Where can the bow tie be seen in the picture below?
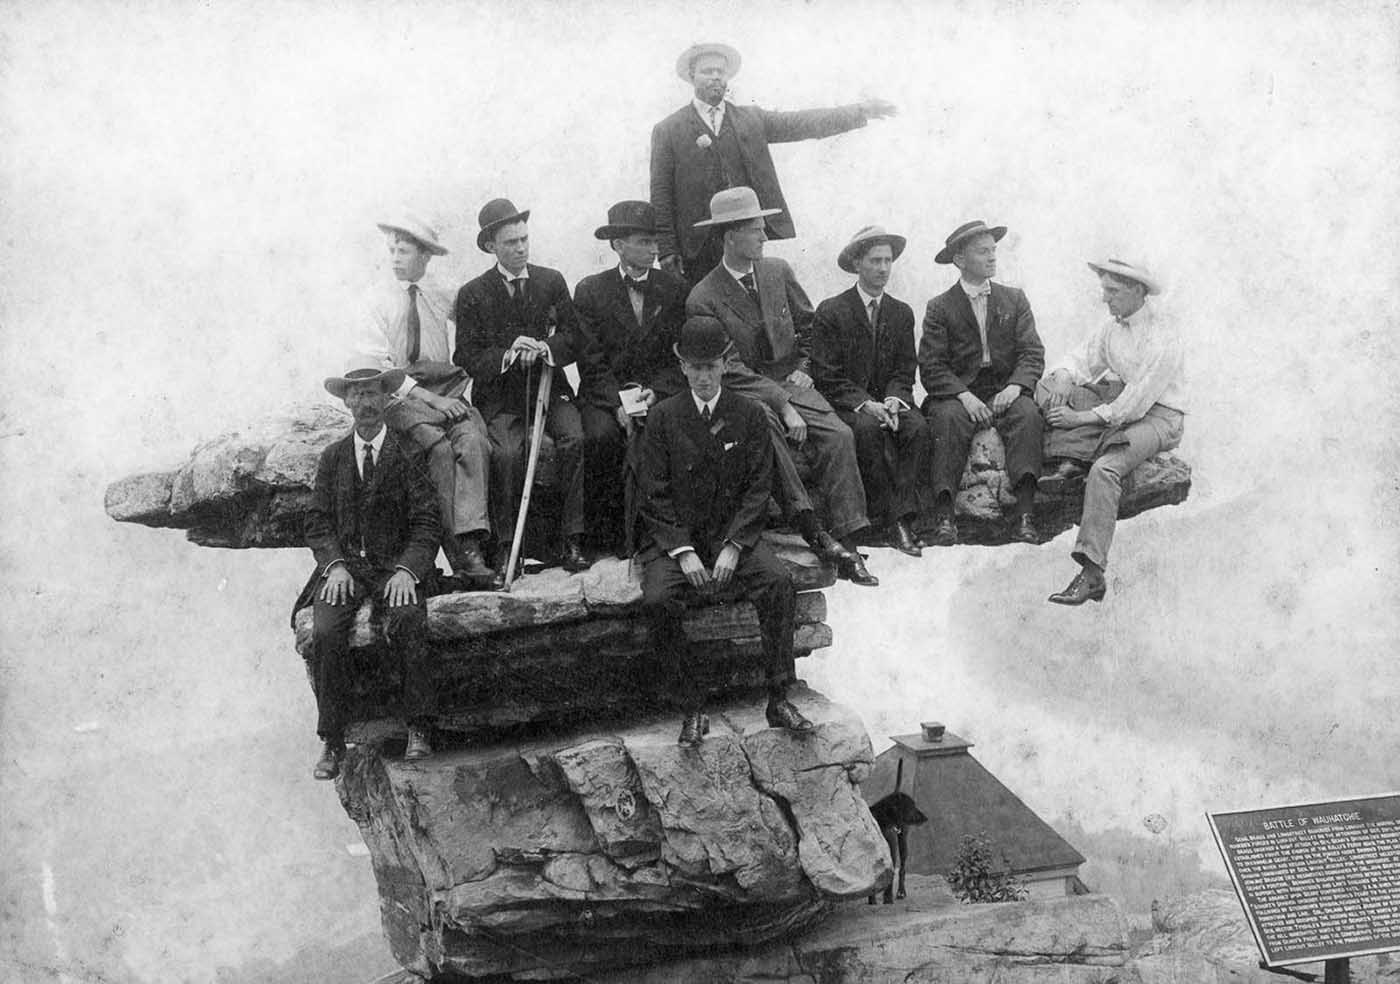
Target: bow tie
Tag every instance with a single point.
(640, 286)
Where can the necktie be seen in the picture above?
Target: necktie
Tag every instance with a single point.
(751, 288)
(517, 287)
(639, 286)
(415, 327)
(874, 313)
(367, 472)
(705, 413)
(714, 120)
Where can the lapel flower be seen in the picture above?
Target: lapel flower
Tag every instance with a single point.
(703, 141)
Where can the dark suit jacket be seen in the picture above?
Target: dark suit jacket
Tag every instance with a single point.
(950, 351)
(401, 524)
(488, 321)
(617, 350)
(685, 175)
(702, 485)
(770, 343)
(853, 361)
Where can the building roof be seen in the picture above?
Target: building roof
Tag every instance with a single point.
(961, 797)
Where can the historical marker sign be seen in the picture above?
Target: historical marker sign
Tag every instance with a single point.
(1317, 880)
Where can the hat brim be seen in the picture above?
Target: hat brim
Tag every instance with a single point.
(945, 255)
(846, 261)
(730, 220)
(702, 357)
(430, 246)
(1153, 285)
(621, 231)
(389, 381)
(688, 56)
(487, 231)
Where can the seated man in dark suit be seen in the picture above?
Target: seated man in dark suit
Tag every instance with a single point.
(373, 526)
(629, 317)
(863, 363)
(508, 318)
(769, 318)
(979, 360)
(706, 475)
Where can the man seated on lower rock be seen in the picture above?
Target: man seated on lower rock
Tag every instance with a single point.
(1108, 428)
(374, 527)
(706, 475)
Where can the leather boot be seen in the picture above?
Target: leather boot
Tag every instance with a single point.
(902, 539)
(328, 765)
(573, 560)
(1088, 585)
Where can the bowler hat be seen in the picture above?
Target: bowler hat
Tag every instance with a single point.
(389, 380)
(494, 214)
(686, 61)
(869, 236)
(963, 232)
(703, 338)
(735, 205)
(625, 218)
(416, 229)
(1133, 271)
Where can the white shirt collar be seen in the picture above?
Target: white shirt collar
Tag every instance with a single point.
(377, 443)
(700, 405)
(738, 274)
(703, 108)
(867, 298)
(525, 272)
(970, 289)
(1140, 317)
(622, 272)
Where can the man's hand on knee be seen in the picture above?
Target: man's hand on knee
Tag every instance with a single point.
(694, 570)
(725, 564)
(339, 586)
(980, 413)
(401, 589)
(1057, 386)
(1003, 400)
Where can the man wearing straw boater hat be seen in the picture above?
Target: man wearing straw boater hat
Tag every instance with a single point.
(706, 475)
(980, 359)
(630, 315)
(864, 364)
(710, 144)
(1110, 426)
(373, 526)
(408, 325)
(515, 322)
(768, 317)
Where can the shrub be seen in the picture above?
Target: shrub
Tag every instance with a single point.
(977, 877)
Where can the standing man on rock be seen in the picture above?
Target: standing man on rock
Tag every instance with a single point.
(711, 144)
(409, 326)
(512, 316)
(629, 315)
(1115, 425)
(706, 476)
(373, 525)
(980, 359)
(769, 319)
(864, 364)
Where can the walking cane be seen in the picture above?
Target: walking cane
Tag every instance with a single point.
(536, 436)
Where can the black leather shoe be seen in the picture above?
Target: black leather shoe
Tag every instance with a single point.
(418, 745)
(1025, 530)
(574, 560)
(902, 539)
(1084, 587)
(328, 765)
(1068, 477)
(467, 561)
(945, 533)
(782, 714)
(694, 729)
(829, 548)
(853, 570)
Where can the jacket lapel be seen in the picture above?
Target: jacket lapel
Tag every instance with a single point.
(773, 297)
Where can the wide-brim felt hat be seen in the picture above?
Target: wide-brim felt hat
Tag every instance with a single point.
(494, 214)
(872, 235)
(416, 229)
(687, 59)
(703, 338)
(735, 205)
(1133, 271)
(389, 380)
(628, 217)
(963, 232)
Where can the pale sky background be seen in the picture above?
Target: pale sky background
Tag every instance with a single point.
(189, 196)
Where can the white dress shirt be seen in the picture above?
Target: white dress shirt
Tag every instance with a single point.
(705, 110)
(377, 443)
(511, 277)
(384, 342)
(977, 296)
(1145, 352)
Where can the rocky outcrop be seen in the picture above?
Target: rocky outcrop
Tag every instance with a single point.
(248, 488)
(596, 849)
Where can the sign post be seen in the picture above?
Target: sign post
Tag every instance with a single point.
(1318, 881)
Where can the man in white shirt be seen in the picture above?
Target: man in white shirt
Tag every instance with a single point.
(409, 326)
(1114, 424)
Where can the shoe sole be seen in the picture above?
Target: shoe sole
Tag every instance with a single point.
(1056, 600)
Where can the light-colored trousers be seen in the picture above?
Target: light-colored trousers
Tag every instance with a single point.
(459, 460)
(1115, 452)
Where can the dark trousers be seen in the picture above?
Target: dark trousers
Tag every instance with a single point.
(893, 464)
(405, 630)
(604, 455)
(510, 457)
(759, 578)
(1021, 428)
